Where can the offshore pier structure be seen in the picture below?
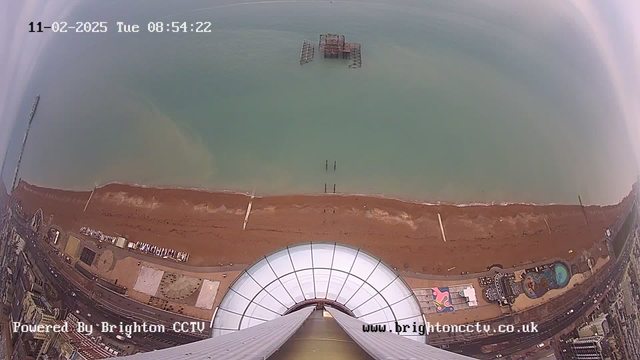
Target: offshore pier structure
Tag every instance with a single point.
(333, 46)
(307, 52)
(24, 141)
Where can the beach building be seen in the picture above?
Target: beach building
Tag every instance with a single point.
(121, 242)
(18, 242)
(588, 348)
(470, 294)
(37, 311)
(75, 345)
(36, 221)
(597, 326)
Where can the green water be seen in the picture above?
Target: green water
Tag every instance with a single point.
(455, 101)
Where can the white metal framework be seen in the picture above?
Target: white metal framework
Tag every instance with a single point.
(257, 343)
(387, 346)
(345, 277)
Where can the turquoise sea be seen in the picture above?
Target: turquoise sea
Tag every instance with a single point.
(456, 101)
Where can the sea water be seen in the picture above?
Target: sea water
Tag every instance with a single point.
(456, 101)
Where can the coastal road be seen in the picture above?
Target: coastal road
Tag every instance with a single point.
(611, 278)
(101, 303)
(115, 306)
(75, 299)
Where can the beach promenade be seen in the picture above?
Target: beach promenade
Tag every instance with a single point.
(428, 245)
(407, 236)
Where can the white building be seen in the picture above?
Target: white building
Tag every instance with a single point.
(598, 326)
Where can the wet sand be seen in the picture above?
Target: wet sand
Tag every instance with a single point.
(405, 235)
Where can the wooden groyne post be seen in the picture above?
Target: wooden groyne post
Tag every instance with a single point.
(444, 238)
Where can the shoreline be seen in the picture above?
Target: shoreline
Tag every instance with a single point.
(406, 235)
(249, 194)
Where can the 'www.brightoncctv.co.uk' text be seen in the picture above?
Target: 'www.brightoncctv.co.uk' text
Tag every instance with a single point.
(428, 328)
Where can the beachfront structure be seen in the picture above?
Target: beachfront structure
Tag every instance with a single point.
(469, 293)
(314, 297)
(444, 299)
(307, 52)
(332, 274)
(343, 338)
(121, 242)
(36, 220)
(598, 326)
(588, 348)
(333, 46)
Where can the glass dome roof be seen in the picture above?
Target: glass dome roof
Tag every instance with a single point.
(349, 278)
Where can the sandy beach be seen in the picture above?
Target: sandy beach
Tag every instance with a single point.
(405, 235)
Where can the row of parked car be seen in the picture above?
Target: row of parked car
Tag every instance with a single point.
(97, 234)
(121, 242)
(118, 241)
(164, 253)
